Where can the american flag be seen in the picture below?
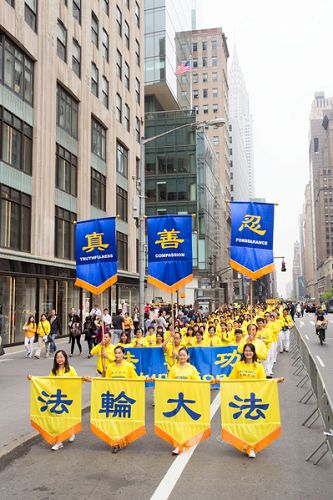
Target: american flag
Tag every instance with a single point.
(184, 67)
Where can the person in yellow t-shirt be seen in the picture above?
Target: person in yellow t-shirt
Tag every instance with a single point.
(189, 337)
(199, 340)
(265, 334)
(150, 337)
(261, 349)
(124, 340)
(43, 331)
(139, 340)
(171, 347)
(213, 340)
(61, 368)
(30, 328)
(105, 353)
(284, 335)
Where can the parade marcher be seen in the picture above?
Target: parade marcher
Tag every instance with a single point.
(151, 337)
(89, 331)
(30, 329)
(284, 335)
(105, 353)
(43, 331)
(118, 326)
(261, 349)
(55, 323)
(139, 340)
(124, 340)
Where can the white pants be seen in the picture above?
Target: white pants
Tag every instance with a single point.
(42, 344)
(274, 351)
(268, 363)
(29, 344)
(284, 340)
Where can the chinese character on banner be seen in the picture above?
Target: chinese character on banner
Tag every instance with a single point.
(95, 240)
(251, 404)
(182, 403)
(57, 402)
(226, 359)
(120, 406)
(252, 222)
(169, 239)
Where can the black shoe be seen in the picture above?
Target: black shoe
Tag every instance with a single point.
(269, 376)
(115, 449)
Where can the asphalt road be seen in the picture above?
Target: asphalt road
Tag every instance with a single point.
(86, 469)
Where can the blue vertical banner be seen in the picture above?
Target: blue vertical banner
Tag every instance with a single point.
(170, 251)
(252, 232)
(96, 254)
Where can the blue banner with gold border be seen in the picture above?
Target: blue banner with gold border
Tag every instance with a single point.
(214, 362)
(148, 362)
(252, 232)
(170, 251)
(96, 254)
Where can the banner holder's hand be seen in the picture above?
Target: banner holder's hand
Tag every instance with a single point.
(29, 377)
(280, 380)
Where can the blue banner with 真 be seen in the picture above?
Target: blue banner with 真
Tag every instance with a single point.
(96, 254)
(170, 251)
(252, 232)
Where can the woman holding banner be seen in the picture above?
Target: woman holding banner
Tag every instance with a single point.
(183, 370)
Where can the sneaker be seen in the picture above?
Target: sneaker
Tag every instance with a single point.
(36, 357)
(71, 439)
(27, 355)
(57, 447)
(115, 449)
(251, 454)
(47, 355)
(269, 376)
(70, 355)
(175, 451)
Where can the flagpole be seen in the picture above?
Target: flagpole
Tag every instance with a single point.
(103, 348)
(251, 300)
(172, 313)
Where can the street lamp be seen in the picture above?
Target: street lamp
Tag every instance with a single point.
(216, 123)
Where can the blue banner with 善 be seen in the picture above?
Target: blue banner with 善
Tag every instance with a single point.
(96, 254)
(252, 232)
(170, 251)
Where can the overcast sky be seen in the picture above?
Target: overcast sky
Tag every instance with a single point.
(285, 50)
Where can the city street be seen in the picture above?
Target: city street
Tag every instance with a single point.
(87, 468)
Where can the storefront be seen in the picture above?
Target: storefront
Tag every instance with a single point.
(29, 288)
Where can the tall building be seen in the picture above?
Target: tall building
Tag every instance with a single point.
(71, 117)
(309, 269)
(296, 271)
(241, 122)
(321, 176)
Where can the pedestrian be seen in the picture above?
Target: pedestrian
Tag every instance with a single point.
(128, 326)
(107, 319)
(161, 321)
(96, 311)
(105, 353)
(118, 325)
(72, 317)
(43, 331)
(89, 331)
(136, 318)
(75, 332)
(30, 329)
(55, 323)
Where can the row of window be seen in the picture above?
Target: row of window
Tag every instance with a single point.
(204, 62)
(204, 93)
(205, 109)
(175, 189)
(204, 46)
(205, 77)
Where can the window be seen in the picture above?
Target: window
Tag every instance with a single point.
(119, 64)
(196, 109)
(94, 29)
(15, 216)
(106, 7)
(204, 92)
(122, 160)
(216, 140)
(119, 108)
(122, 250)
(137, 90)
(127, 3)
(66, 171)
(105, 92)
(316, 145)
(11, 2)
(137, 14)
(127, 117)
(214, 44)
(98, 139)
(98, 190)
(122, 204)
(67, 112)
(61, 41)
(195, 94)
(119, 21)
(195, 63)
(77, 10)
(127, 76)
(137, 52)
(15, 65)
(214, 76)
(204, 45)
(76, 58)
(205, 77)
(94, 79)
(16, 142)
(105, 45)
(214, 92)
(215, 108)
(205, 109)
(30, 13)
(214, 61)
(138, 130)
(194, 47)
(204, 62)
(195, 78)
(127, 34)
(64, 238)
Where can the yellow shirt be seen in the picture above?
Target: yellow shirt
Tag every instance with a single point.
(186, 372)
(30, 329)
(142, 342)
(213, 341)
(189, 341)
(109, 350)
(261, 349)
(228, 338)
(150, 340)
(169, 353)
(247, 371)
(203, 343)
(44, 328)
(61, 373)
(266, 336)
(124, 370)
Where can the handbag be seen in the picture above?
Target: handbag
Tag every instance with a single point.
(75, 330)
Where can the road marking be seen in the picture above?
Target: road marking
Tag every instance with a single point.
(307, 338)
(170, 479)
(311, 321)
(5, 360)
(302, 323)
(320, 361)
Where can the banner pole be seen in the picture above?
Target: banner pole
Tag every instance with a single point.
(251, 300)
(172, 313)
(103, 350)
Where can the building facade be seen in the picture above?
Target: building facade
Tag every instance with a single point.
(71, 96)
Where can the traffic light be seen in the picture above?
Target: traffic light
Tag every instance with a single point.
(283, 267)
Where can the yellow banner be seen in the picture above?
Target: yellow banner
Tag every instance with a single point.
(250, 413)
(182, 411)
(117, 414)
(55, 407)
